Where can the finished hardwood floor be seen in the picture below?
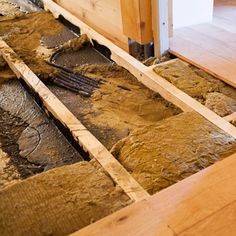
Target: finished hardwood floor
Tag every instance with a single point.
(211, 46)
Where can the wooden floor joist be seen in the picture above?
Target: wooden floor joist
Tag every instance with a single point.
(79, 132)
(144, 74)
(230, 117)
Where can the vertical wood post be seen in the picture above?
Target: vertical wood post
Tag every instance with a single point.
(137, 20)
(160, 24)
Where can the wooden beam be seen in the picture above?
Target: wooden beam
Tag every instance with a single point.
(137, 20)
(89, 143)
(144, 74)
(185, 205)
(160, 25)
(230, 117)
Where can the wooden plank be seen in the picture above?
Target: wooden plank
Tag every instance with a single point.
(178, 207)
(211, 63)
(224, 24)
(144, 74)
(216, 32)
(89, 143)
(137, 20)
(160, 25)
(104, 16)
(230, 117)
(225, 10)
(218, 224)
(209, 47)
(208, 43)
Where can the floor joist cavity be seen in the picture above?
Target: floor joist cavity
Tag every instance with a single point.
(170, 212)
(144, 74)
(89, 143)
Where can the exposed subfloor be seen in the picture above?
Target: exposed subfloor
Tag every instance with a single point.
(154, 140)
(142, 109)
(112, 111)
(58, 201)
(120, 107)
(31, 141)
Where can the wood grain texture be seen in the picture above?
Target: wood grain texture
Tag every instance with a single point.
(220, 223)
(137, 20)
(203, 204)
(224, 15)
(212, 46)
(89, 143)
(104, 16)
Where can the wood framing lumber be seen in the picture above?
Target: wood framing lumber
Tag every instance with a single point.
(89, 143)
(230, 117)
(179, 209)
(137, 20)
(160, 26)
(104, 16)
(144, 74)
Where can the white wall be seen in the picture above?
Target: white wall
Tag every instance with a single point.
(191, 12)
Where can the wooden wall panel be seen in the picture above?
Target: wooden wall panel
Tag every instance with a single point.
(104, 16)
